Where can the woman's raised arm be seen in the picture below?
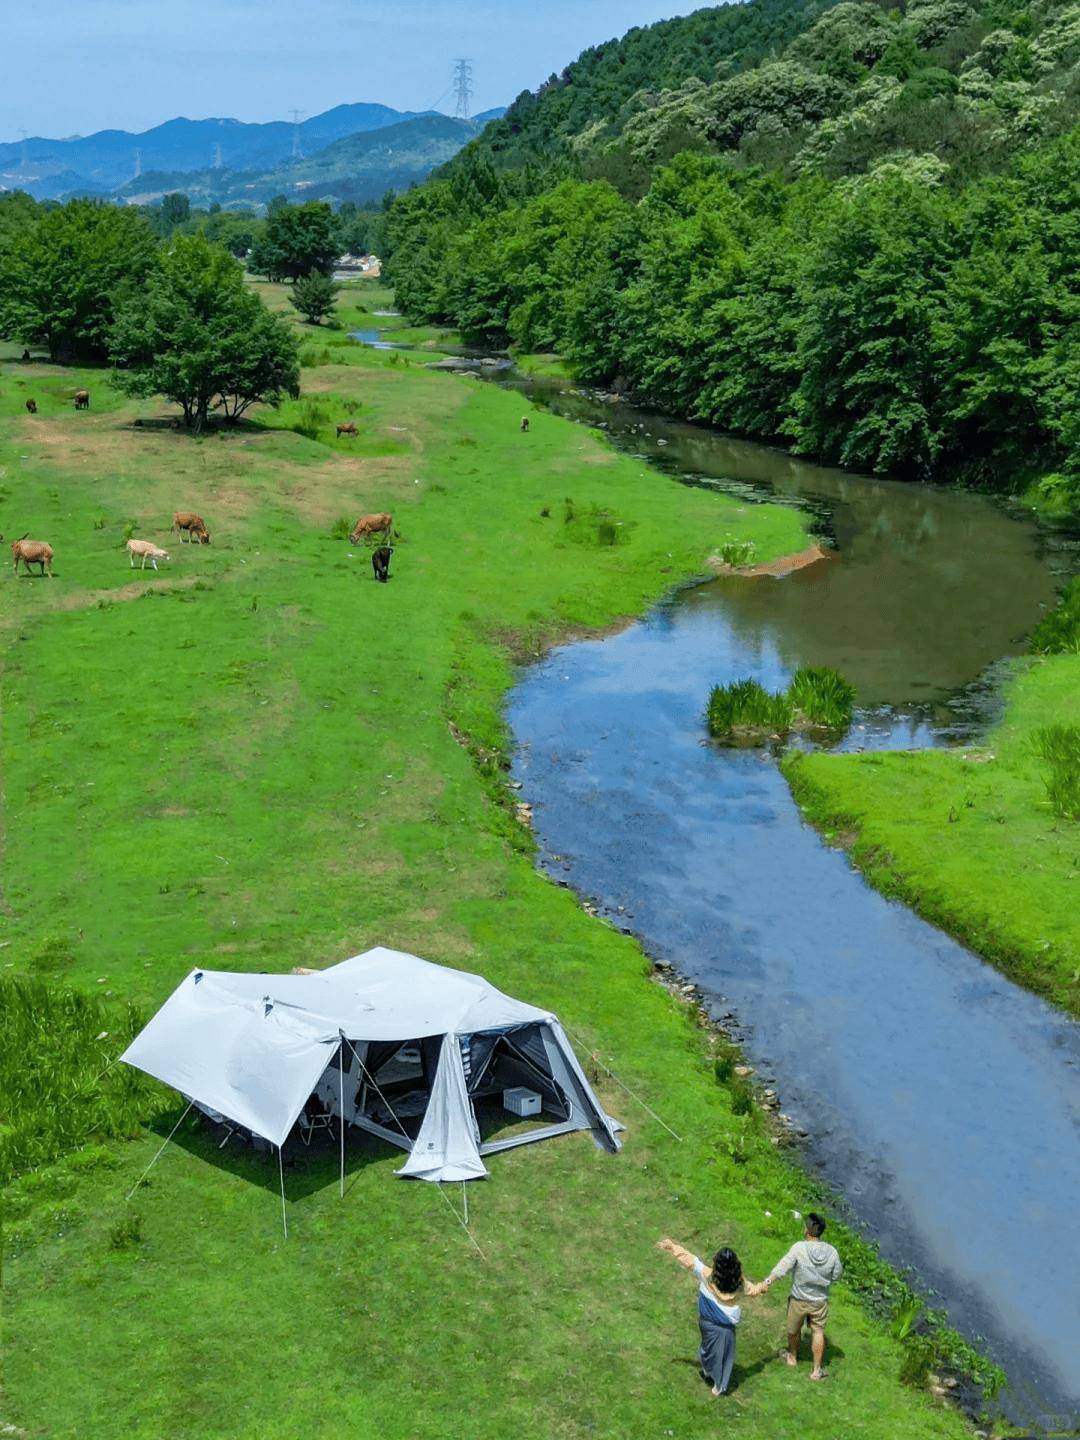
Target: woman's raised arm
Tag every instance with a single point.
(681, 1254)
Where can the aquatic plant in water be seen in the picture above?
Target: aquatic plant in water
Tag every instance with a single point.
(822, 696)
(744, 712)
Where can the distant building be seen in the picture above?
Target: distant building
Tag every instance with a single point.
(349, 267)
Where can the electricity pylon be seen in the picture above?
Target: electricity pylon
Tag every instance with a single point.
(462, 89)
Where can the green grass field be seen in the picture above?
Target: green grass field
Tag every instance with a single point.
(259, 758)
(968, 838)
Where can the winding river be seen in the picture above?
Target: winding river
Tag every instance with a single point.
(940, 1100)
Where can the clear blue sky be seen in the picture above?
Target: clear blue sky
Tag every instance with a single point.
(75, 66)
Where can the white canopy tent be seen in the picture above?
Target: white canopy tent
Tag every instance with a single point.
(392, 1044)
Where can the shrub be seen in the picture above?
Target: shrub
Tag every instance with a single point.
(1059, 632)
(1059, 746)
(744, 710)
(822, 696)
(341, 529)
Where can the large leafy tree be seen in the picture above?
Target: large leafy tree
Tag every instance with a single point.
(297, 240)
(197, 335)
(60, 276)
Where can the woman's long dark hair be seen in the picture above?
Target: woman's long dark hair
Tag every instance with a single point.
(726, 1271)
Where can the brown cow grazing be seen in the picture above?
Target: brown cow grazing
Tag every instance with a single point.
(32, 552)
(348, 428)
(524, 423)
(186, 522)
(31, 407)
(82, 399)
(381, 524)
(380, 562)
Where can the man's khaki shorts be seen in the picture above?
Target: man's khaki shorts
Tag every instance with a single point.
(799, 1311)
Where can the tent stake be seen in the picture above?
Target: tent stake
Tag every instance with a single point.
(281, 1177)
(153, 1162)
(465, 1200)
(341, 1078)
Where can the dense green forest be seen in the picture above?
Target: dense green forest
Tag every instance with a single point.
(852, 228)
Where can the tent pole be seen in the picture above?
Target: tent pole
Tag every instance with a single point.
(465, 1200)
(281, 1177)
(341, 1078)
(153, 1162)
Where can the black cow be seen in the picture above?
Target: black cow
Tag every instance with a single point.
(380, 562)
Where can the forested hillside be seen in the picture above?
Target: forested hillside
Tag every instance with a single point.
(849, 227)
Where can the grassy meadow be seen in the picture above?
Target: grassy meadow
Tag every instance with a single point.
(258, 758)
(970, 838)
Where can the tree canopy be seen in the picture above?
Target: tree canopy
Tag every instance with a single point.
(197, 335)
(61, 269)
(296, 240)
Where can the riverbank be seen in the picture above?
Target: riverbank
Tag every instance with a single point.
(282, 763)
(967, 838)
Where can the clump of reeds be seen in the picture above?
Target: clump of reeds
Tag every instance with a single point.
(1059, 747)
(745, 713)
(822, 697)
(738, 553)
(1059, 632)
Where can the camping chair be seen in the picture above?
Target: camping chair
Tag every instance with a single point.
(321, 1119)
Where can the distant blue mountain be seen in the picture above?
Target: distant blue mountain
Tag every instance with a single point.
(228, 159)
(103, 162)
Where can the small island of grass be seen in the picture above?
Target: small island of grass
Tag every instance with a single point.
(745, 713)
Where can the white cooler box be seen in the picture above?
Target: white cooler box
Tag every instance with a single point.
(521, 1101)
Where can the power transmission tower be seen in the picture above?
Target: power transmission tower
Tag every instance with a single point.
(462, 88)
(138, 164)
(297, 116)
(215, 163)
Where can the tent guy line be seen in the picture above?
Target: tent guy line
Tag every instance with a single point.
(463, 1223)
(593, 1055)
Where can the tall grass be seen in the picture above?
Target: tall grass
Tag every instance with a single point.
(1059, 632)
(822, 696)
(1059, 746)
(745, 711)
(738, 553)
(59, 1079)
(311, 420)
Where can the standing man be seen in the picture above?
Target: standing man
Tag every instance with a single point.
(816, 1265)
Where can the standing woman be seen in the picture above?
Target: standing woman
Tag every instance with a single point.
(718, 1313)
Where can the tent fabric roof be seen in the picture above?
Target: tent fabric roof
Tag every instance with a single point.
(253, 1046)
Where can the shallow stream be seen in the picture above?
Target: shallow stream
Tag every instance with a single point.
(940, 1100)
